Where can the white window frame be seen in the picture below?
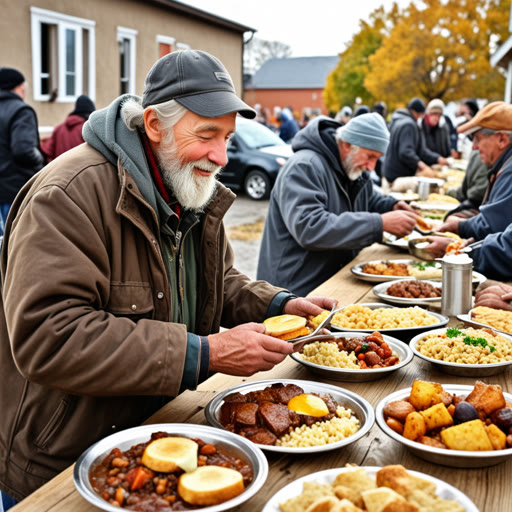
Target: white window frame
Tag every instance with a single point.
(166, 40)
(182, 46)
(63, 22)
(131, 35)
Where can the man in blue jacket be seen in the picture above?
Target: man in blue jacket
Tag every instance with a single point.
(20, 157)
(323, 208)
(407, 153)
(492, 136)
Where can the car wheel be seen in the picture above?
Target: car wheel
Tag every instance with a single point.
(257, 185)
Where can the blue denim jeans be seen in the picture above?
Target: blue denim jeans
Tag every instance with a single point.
(6, 502)
(4, 210)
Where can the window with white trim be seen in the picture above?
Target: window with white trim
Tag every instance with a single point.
(63, 56)
(165, 44)
(127, 39)
(182, 46)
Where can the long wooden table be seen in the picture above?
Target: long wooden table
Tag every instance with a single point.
(489, 488)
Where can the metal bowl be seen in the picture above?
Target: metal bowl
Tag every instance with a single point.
(398, 347)
(403, 333)
(460, 369)
(359, 406)
(381, 291)
(443, 456)
(417, 248)
(470, 322)
(236, 445)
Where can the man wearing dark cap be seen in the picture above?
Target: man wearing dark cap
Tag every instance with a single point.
(407, 153)
(68, 134)
(323, 208)
(20, 157)
(117, 275)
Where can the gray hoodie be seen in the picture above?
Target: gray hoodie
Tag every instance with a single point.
(318, 219)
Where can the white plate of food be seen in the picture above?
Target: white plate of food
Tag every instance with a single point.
(409, 291)
(379, 271)
(401, 323)
(497, 319)
(435, 452)
(442, 490)
(340, 351)
(464, 352)
(271, 434)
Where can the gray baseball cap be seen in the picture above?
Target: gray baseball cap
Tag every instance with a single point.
(196, 80)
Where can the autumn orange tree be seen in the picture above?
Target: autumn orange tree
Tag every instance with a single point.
(436, 49)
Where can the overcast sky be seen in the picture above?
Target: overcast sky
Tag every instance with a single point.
(310, 28)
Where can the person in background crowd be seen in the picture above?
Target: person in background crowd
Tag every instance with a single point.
(362, 109)
(435, 129)
(492, 136)
(20, 157)
(68, 134)
(471, 192)
(117, 274)
(407, 154)
(382, 109)
(288, 127)
(495, 295)
(344, 115)
(466, 111)
(323, 208)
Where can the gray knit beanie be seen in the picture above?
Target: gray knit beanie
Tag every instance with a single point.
(368, 131)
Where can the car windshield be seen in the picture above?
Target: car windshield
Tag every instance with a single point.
(256, 136)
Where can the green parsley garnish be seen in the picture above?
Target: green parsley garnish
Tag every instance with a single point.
(478, 341)
(452, 333)
(365, 347)
(422, 265)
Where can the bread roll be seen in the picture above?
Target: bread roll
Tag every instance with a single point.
(170, 454)
(210, 485)
(282, 324)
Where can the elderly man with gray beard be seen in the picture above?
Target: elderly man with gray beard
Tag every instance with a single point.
(117, 275)
(323, 208)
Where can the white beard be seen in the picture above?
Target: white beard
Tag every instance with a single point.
(351, 170)
(192, 191)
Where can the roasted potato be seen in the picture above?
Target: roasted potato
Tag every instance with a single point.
(425, 394)
(486, 398)
(497, 437)
(467, 436)
(415, 426)
(437, 416)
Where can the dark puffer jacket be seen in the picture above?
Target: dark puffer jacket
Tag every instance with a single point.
(20, 157)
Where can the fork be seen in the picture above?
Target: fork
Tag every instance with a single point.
(315, 335)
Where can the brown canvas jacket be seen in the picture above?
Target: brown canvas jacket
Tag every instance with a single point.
(86, 345)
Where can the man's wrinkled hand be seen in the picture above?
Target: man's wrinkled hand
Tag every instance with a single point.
(245, 350)
(497, 297)
(399, 222)
(312, 306)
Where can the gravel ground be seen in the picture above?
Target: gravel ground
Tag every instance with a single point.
(244, 221)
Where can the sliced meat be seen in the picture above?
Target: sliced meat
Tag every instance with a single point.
(286, 393)
(235, 397)
(276, 417)
(262, 436)
(247, 414)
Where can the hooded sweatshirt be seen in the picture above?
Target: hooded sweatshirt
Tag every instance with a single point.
(64, 137)
(318, 219)
(406, 147)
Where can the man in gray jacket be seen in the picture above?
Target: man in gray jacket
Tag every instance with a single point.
(323, 208)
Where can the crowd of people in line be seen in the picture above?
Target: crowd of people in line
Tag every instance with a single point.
(116, 269)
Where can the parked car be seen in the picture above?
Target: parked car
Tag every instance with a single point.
(255, 155)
